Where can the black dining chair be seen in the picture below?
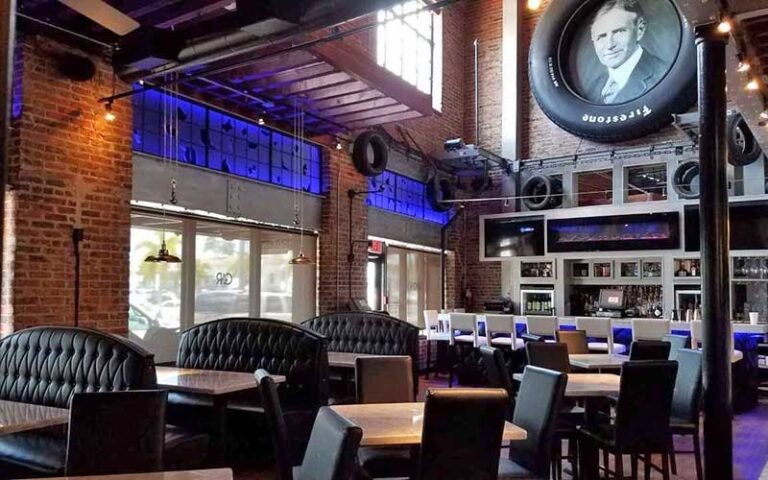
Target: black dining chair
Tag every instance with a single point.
(576, 340)
(278, 430)
(385, 379)
(116, 432)
(497, 374)
(642, 423)
(332, 450)
(537, 410)
(686, 404)
(649, 350)
(676, 342)
(553, 356)
(462, 433)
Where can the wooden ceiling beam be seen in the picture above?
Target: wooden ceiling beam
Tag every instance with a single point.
(359, 106)
(306, 87)
(343, 100)
(395, 117)
(372, 114)
(337, 90)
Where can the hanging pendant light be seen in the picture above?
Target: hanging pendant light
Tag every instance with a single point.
(298, 170)
(301, 259)
(163, 255)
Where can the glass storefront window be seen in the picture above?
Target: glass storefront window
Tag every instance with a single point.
(276, 275)
(222, 271)
(154, 315)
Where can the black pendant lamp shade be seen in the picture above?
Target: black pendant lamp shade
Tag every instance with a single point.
(163, 256)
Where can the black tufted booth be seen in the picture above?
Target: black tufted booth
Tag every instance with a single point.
(46, 366)
(246, 345)
(367, 332)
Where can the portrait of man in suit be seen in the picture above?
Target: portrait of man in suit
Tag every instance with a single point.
(628, 70)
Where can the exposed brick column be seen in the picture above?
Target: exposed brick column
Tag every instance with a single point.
(69, 167)
(339, 176)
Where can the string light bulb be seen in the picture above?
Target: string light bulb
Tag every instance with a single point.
(109, 115)
(534, 4)
(764, 114)
(339, 146)
(724, 26)
(752, 85)
(261, 120)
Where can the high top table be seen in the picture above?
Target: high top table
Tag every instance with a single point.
(211, 474)
(399, 424)
(218, 384)
(19, 417)
(598, 361)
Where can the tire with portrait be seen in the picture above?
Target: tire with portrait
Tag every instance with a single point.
(372, 161)
(685, 180)
(549, 77)
(743, 148)
(542, 192)
(438, 190)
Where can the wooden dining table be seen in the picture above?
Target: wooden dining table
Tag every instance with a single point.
(399, 424)
(20, 417)
(207, 474)
(346, 359)
(598, 361)
(219, 385)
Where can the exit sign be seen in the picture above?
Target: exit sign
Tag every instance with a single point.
(375, 246)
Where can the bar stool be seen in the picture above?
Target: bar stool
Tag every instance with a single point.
(463, 322)
(597, 327)
(435, 332)
(650, 329)
(697, 336)
(502, 324)
(542, 326)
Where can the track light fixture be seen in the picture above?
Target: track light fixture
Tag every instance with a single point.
(339, 146)
(744, 65)
(109, 115)
(534, 4)
(752, 85)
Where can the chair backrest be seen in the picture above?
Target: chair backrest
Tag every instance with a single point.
(538, 405)
(47, 365)
(497, 373)
(462, 432)
(332, 450)
(650, 328)
(463, 322)
(116, 432)
(649, 350)
(597, 327)
(281, 442)
(384, 379)
(541, 325)
(686, 401)
(575, 340)
(645, 400)
(248, 344)
(676, 343)
(552, 356)
(697, 333)
(501, 324)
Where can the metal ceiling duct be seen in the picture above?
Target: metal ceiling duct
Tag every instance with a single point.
(260, 32)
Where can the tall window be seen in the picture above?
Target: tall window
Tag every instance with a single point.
(411, 45)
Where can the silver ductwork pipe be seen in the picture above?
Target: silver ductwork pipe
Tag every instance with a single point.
(250, 38)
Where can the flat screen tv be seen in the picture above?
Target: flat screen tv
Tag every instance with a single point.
(748, 226)
(611, 299)
(513, 237)
(644, 231)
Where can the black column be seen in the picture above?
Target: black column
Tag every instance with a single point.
(7, 41)
(717, 337)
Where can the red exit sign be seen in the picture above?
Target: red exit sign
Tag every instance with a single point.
(375, 246)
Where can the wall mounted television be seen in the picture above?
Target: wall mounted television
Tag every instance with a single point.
(645, 231)
(507, 237)
(748, 226)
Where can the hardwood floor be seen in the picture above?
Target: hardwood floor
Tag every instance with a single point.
(750, 433)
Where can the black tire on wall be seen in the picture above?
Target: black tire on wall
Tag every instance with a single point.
(542, 192)
(439, 189)
(370, 154)
(550, 81)
(743, 148)
(685, 180)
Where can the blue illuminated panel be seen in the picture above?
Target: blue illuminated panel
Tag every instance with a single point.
(213, 139)
(404, 196)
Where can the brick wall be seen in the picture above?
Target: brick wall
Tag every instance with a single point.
(68, 167)
(339, 175)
